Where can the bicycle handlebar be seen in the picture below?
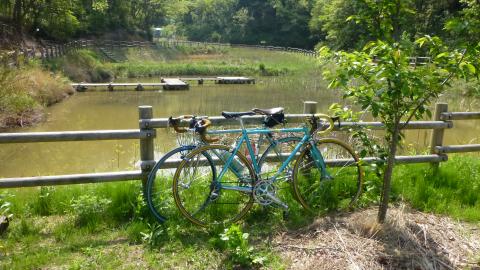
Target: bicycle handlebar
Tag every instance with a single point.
(199, 126)
(174, 122)
(330, 122)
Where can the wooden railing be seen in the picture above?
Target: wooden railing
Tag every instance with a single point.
(52, 50)
(176, 43)
(147, 132)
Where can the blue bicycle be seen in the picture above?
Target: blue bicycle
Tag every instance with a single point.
(326, 174)
(158, 191)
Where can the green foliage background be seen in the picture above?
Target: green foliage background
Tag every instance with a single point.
(294, 23)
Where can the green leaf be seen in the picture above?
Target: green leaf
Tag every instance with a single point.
(471, 68)
(421, 41)
(441, 55)
(352, 17)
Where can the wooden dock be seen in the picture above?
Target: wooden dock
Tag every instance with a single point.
(220, 80)
(234, 80)
(82, 87)
(166, 83)
(174, 84)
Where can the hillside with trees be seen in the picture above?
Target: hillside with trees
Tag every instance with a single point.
(292, 23)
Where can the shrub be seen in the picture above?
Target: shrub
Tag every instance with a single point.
(25, 91)
(88, 209)
(135, 231)
(43, 204)
(154, 235)
(235, 242)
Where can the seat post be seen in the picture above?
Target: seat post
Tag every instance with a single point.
(241, 122)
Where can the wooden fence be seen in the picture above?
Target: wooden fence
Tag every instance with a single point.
(53, 50)
(147, 131)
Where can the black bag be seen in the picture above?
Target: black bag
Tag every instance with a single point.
(274, 119)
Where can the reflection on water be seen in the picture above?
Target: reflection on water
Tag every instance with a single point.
(118, 110)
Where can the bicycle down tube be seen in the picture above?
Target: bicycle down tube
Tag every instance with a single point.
(245, 139)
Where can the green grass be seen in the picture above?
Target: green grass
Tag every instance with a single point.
(231, 61)
(89, 65)
(81, 66)
(454, 190)
(75, 227)
(108, 225)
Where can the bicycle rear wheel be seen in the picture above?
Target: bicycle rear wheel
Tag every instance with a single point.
(327, 176)
(205, 196)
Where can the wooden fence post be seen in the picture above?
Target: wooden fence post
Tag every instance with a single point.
(147, 159)
(437, 134)
(309, 107)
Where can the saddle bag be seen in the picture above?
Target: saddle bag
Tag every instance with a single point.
(274, 119)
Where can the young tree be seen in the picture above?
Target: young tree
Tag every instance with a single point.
(381, 78)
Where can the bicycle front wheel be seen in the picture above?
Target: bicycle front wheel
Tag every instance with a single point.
(209, 197)
(159, 185)
(327, 176)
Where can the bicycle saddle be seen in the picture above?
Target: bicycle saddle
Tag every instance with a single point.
(229, 115)
(271, 111)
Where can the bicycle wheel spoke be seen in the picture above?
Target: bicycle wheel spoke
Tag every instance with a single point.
(204, 201)
(158, 192)
(333, 184)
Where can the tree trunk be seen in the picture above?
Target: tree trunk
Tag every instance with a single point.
(17, 15)
(387, 176)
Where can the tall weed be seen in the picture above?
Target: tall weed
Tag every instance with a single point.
(89, 210)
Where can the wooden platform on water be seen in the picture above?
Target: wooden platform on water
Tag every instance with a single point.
(166, 83)
(234, 80)
(175, 84)
(220, 80)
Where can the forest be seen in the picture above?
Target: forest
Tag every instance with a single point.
(295, 23)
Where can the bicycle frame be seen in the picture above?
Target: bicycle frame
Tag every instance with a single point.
(317, 156)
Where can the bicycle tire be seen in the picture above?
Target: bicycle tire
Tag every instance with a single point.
(158, 189)
(340, 189)
(207, 204)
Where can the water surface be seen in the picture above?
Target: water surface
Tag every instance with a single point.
(95, 110)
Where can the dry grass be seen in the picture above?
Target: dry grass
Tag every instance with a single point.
(409, 240)
(25, 92)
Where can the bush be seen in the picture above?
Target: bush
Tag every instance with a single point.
(88, 209)
(25, 91)
(235, 242)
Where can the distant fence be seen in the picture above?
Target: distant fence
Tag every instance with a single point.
(147, 132)
(52, 50)
(174, 43)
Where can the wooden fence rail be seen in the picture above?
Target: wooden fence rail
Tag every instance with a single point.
(53, 50)
(64, 136)
(148, 125)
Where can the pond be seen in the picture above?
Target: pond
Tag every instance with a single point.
(93, 110)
